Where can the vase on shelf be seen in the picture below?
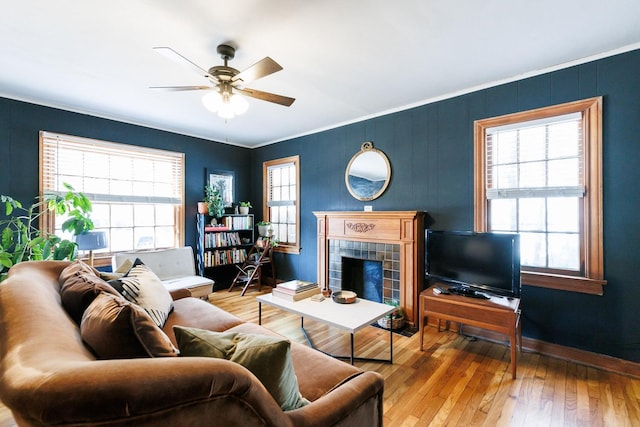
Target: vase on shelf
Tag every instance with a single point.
(203, 208)
(263, 230)
(244, 210)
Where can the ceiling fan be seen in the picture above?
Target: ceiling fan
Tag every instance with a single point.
(227, 82)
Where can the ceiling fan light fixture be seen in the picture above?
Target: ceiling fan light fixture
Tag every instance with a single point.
(221, 97)
(226, 111)
(226, 105)
(212, 101)
(239, 104)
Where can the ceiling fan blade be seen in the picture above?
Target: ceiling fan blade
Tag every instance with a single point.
(180, 88)
(176, 57)
(266, 96)
(260, 69)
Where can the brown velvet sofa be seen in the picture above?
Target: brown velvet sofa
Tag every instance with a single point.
(49, 377)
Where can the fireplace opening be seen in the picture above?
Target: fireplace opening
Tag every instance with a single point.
(364, 277)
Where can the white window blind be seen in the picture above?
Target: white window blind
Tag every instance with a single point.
(137, 193)
(281, 185)
(111, 172)
(540, 158)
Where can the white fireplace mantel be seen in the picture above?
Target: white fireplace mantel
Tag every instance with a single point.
(404, 228)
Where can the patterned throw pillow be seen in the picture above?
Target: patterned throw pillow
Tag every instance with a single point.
(267, 357)
(142, 287)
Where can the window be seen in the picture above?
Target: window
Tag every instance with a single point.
(281, 180)
(136, 192)
(538, 173)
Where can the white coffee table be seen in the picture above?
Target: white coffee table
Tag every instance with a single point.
(348, 317)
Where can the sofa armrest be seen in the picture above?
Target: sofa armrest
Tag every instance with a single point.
(194, 391)
(356, 402)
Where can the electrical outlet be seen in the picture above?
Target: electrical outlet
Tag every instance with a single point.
(368, 208)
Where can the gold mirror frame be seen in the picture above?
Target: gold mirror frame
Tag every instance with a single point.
(368, 173)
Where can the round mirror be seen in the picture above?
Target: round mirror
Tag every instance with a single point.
(368, 173)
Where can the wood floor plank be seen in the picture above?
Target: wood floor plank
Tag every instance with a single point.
(582, 401)
(571, 396)
(558, 383)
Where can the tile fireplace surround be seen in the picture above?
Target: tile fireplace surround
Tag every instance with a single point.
(400, 232)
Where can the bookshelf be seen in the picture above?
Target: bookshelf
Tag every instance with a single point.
(220, 247)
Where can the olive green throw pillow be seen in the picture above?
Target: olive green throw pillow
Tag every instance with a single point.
(267, 357)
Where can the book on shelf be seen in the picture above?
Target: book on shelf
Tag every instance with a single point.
(216, 240)
(298, 296)
(295, 286)
(238, 222)
(224, 257)
(216, 228)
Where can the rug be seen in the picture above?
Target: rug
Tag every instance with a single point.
(405, 331)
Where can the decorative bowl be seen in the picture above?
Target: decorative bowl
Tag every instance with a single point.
(344, 297)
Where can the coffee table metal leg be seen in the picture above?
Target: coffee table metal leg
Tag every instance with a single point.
(351, 358)
(390, 342)
(351, 355)
(259, 313)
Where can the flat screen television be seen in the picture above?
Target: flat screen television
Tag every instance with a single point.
(485, 262)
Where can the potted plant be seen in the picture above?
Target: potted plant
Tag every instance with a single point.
(22, 240)
(214, 201)
(244, 207)
(397, 317)
(203, 207)
(263, 228)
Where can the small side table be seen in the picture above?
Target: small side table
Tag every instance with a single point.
(498, 314)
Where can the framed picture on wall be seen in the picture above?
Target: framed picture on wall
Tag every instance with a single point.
(224, 182)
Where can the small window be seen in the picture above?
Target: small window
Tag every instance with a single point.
(281, 201)
(538, 174)
(136, 192)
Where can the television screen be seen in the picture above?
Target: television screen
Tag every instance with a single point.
(482, 261)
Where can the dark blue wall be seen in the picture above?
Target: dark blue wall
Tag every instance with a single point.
(20, 123)
(431, 152)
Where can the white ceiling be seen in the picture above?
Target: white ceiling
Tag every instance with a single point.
(343, 61)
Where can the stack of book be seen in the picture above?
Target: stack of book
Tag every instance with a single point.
(295, 290)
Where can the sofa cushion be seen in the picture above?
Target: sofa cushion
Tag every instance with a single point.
(117, 329)
(267, 357)
(79, 287)
(142, 287)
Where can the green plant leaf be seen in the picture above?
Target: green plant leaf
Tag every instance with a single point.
(7, 238)
(64, 250)
(21, 240)
(5, 259)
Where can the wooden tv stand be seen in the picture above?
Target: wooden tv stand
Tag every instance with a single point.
(498, 314)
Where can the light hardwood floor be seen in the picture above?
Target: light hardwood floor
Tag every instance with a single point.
(458, 381)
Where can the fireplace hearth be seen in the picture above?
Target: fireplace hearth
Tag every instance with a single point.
(364, 277)
(394, 239)
(372, 270)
